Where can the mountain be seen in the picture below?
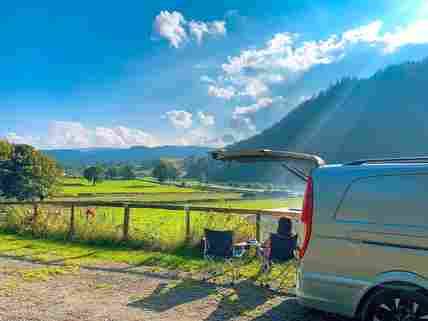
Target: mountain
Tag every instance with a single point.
(385, 115)
(138, 154)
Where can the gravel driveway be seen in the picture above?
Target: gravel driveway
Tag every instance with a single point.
(31, 291)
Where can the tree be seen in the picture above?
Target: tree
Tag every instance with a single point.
(5, 150)
(165, 170)
(112, 172)
(127, 172)
(27, 174)
(197, 168)
(94, 174)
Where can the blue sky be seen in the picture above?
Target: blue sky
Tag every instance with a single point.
(117, 74)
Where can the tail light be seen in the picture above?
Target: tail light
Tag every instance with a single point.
(307, 214)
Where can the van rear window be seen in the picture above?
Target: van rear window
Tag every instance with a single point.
(398, 199)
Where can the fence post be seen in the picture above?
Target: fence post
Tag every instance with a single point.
(258, 230)
(71, 230)
(187, 210)
(126, 215)
(34, 219)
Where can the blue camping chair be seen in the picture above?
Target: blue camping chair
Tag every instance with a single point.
(218, 245)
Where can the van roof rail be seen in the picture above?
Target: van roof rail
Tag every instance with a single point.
(404, 160)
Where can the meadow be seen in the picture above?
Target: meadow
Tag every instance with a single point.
(161, 233)
(76, 186)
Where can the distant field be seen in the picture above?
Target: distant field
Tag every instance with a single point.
(74, 186)
(137, 191)
(259, 203)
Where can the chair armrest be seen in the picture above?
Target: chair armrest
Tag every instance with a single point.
(239, 249)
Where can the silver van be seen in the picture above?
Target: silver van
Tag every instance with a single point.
(363, 249)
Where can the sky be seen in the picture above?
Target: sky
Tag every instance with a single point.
(86, 74)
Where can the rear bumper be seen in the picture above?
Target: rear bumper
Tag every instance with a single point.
(327, 293)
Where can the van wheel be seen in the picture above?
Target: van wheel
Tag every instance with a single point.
(396, 305)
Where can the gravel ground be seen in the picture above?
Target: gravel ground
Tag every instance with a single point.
(38, 292)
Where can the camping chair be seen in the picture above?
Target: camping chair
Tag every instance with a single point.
(218, 245)
(280, 250)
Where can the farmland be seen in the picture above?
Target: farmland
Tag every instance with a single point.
(161, 233)
(75, 186)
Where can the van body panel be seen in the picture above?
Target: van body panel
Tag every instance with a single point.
(370, 226)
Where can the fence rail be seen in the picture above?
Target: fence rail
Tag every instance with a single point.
(292, 214)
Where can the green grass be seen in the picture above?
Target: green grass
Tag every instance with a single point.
(67, 256)
(258, 203)
(75, 186)
(149, 228)
(154, 197)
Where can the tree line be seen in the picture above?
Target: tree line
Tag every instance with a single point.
(163, 171)
(97, 173)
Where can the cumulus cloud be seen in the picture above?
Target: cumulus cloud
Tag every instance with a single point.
(74, 135)
(180, 119)
(368, 33)
(176, 29)
(415, 33)
(243, 127)
(225, 93)
(171, 26)
(199, 29)
(254, 87)
(206, 119)
(217, 27)
(62, 134)
(14, 138)
(282, 53)
(260, 104)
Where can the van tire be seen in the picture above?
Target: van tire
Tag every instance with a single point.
(395, 304)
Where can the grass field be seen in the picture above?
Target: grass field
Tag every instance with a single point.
(145, 190)
(79, 254)
(150, 228)
(75, 186)
(158, 234)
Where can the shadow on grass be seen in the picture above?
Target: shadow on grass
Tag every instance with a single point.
(242, 299)
(168, 296)
(46, 253)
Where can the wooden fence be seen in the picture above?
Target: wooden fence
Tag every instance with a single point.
(292, 214)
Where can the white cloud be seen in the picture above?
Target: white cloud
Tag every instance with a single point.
(281, 55)
(205, 119)
(368, 33)
(260, 104)
(254, 88)
(279, 40)
(414, 33)
(180, 119)
(199, 29)
(243, 126)
(170, 25)
(14, 138)
(62, 134)
(174, 27)
(225, 93)
(217, 27)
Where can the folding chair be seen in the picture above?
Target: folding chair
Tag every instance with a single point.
(218, 245)
(281, 250)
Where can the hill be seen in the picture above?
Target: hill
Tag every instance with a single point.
(385, 115)
(137, 155)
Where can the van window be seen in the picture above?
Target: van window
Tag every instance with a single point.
(399, 199)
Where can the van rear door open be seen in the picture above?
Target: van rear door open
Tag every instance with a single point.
(297, 163)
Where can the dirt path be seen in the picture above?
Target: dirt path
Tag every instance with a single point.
(33, 292)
